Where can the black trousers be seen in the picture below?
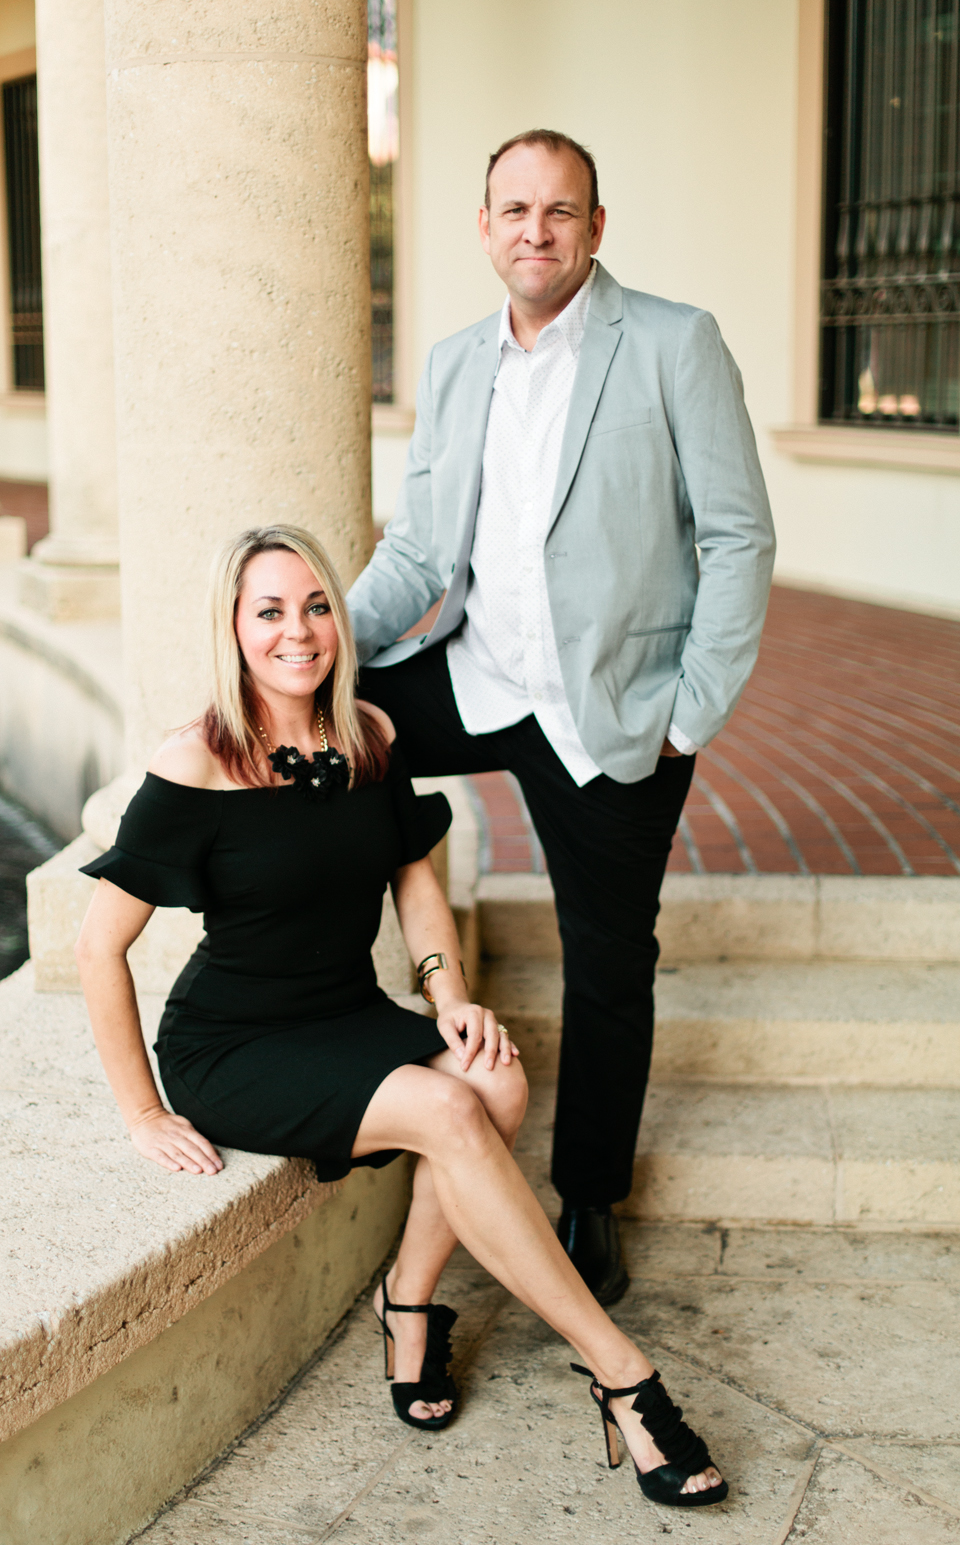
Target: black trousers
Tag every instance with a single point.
(606, 847)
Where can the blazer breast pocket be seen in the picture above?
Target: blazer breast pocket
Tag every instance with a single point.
(666, 627)
(609, 423)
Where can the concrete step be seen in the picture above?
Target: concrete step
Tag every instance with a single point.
(827, 1155)
(526, 994)
(751, 917)
(825, 1022)
(764, 1153)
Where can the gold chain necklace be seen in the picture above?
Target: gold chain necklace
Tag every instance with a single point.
(271, 748)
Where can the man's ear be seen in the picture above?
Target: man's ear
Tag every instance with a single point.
(484, 226)
(597, 223)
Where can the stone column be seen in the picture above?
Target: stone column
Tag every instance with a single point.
(73, 572)
(240, 220)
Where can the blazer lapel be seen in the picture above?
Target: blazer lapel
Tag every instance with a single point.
(601, 336)
(474, 392)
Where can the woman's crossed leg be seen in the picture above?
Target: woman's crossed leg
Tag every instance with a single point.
(470, 1189)
(428, 1240)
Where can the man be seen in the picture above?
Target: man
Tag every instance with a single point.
(570, 457)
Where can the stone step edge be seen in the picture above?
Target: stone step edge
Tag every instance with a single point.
(847, 1193)
(63, 1347)
(751, 917)
(912, 1054)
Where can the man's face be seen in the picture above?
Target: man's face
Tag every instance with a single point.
(538, 230)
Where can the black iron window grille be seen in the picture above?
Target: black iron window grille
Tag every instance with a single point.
(23, 233)
(383, 139)
(890, 292)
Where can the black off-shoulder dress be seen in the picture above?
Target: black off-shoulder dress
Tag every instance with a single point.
(275, 1035)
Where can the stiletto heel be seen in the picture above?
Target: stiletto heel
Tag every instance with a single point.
(684, 1452)
(435, 1382)
(389, 1347)
(612, 1436)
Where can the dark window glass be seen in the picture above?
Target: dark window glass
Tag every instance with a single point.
(890, 307)
(383, 139)
(23, 232)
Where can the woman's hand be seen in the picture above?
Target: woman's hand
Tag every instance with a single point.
(466, 1027)
(429, 929)
(174, 1144)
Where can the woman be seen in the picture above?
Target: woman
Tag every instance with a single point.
(276, 1038)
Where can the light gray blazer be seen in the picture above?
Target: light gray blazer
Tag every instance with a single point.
(658, 458)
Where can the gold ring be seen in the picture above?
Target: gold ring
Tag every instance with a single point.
(504, 1031)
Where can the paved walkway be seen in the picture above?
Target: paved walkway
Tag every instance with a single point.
(843, 756)
(821, 1364)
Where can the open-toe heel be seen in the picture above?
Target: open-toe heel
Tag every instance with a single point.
(435, 1382)
(684, 1452)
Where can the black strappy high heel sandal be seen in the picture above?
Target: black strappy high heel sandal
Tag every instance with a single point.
(435, 1382)
(684, 1452)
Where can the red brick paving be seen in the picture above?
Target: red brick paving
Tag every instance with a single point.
(28, 500)
(511, 843)
(843, 756)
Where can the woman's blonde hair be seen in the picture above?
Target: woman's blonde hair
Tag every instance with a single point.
(230, 723)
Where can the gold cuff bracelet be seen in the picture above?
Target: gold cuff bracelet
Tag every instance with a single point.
(426, 968)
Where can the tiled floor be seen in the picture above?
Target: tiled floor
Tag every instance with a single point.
(843, 756)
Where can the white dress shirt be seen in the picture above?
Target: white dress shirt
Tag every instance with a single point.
(504, 663)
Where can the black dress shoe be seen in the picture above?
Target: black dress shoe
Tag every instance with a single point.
(591, 1238)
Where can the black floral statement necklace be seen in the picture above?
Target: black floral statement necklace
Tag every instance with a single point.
(315, 778)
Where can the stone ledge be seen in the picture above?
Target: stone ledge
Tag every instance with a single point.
(97, 1466)
(70, 593)
(127, 1249)
(858, 446)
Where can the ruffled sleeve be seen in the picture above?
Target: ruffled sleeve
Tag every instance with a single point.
(422, 818)
(161, 849)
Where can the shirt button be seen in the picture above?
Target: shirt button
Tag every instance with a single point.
(538, 696)
(532, 637)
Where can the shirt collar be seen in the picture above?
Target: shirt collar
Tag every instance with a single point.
(569, 324)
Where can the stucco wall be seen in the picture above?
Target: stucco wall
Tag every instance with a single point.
(16, 26)
(691, 110)
(23, 442)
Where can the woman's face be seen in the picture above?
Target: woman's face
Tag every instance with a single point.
(284, 625)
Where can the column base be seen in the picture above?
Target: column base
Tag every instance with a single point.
(70, 593)
(13, 538)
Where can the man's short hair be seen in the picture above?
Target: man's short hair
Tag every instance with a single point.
(550, 139)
